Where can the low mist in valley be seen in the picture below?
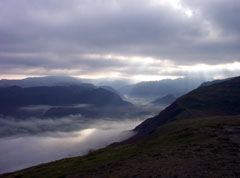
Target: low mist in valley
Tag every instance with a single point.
(31, 134)
(34, 141)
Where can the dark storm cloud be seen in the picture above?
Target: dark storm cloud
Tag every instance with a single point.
(50, 35)
(98, 25)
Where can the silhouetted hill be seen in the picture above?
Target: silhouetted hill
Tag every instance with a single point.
(213, 82)
(64, 81)
(44, 81)
(112, 90)
(219, 99)
(148, 89)
(13, 97)
(161, 88)
(168, 99)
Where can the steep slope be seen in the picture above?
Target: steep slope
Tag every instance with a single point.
(215, 100)
(112, 90)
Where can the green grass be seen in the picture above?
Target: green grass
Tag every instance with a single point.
(173, 134)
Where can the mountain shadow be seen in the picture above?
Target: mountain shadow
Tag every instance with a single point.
(14, 97)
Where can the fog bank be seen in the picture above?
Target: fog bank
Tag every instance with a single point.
(21, 151)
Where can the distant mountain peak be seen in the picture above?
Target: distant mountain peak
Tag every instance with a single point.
(42, 81)
(154, 89)
(214, 82)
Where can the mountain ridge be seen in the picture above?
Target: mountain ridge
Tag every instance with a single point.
(13, 97)
(218, 99)
(161, 88)
(196, 136)
(44, 81)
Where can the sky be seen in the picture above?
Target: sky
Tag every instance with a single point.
(129, 39)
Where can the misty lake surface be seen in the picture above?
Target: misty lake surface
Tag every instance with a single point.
(19, 151)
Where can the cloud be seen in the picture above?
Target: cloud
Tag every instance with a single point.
(29, 141)
(220, 13)
(32, 126)
(59, 37)
(12, 126)
(20, 151)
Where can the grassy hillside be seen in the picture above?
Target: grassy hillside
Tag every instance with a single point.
(220, 99)
(206, 147)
